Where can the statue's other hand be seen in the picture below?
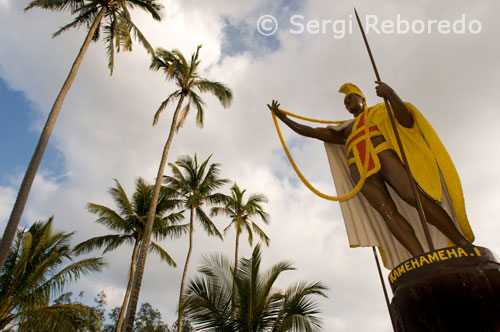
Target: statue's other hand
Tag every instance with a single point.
(383, 89)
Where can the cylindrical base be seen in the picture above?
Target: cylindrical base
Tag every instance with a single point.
(451, 289)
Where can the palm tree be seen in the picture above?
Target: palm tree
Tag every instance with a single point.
(117, 31)
(129, 222)
(258, 307)
(196, 186)
(40, 264)
(240, 213)
(187, 78)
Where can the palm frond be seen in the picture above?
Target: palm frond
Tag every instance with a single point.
(109, 32)
(219, 210)
(164, 104)
(60, 317)
(181, 62)
(88, 13)
(194, 63)
(152, 6)
(56, 5)
(226, 230)
(161, 59)
(217, 89)
(109, 242)
(207, 224)
(261, 234)
(138, 35)
(38, 262)
(249, 232)
(208, 304)
(107, 217)
(164, 256)
(257, 306)
(71, 273)
(299, 312)
(198, 103)
(141, 198)
(208, 297)
(174, 218)
(219, 198)
(217, 265)
(120, 197)
(176, 231)
(182, 117)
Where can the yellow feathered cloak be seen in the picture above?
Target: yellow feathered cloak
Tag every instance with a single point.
(429, 163)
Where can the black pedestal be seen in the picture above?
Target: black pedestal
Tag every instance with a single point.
(452, 289)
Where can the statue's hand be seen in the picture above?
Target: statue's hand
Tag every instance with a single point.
(383, 89)
(274, 107)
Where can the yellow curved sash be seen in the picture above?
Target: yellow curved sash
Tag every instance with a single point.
(363, 172)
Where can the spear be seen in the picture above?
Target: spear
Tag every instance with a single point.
(420, 209)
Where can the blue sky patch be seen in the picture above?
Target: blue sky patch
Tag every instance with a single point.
(18, 139)
(241, 36)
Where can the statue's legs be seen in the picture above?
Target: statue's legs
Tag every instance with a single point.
(394, 173)
(375, 192)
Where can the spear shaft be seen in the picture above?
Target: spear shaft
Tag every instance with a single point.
(420, 208)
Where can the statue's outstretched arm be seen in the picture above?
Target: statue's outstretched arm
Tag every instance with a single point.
(323, 134)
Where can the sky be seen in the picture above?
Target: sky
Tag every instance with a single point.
(104, 131)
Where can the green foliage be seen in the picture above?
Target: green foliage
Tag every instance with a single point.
(257, 306)
(241, 213)
(39, 265)
(186, 326)
(117, 26)
(196, 185)
(93, 318)
(148, 319)
(186, 77)
(113, 317)
(129, 220)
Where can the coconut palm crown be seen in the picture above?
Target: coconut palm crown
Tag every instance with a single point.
(242, 213)
(39, 265)
(111, 17)
(186, 77)
(258, 306)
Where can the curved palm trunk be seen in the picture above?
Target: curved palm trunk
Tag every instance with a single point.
(133, 263)
(141, 261)
(233, 297)
(184, 273)
(29, 176)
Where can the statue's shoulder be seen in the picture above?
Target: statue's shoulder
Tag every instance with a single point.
(342, 126)
(410, 106)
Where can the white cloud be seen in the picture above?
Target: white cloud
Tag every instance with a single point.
(7, 198)
(104, 131)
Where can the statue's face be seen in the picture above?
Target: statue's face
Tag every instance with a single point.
(354, 104)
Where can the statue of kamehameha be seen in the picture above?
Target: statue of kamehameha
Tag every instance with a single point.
(384, 214)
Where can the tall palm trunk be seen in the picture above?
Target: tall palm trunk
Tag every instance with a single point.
(233, 295)
(29, 176)
(123, 309)
(184, 273)
(141, 261)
